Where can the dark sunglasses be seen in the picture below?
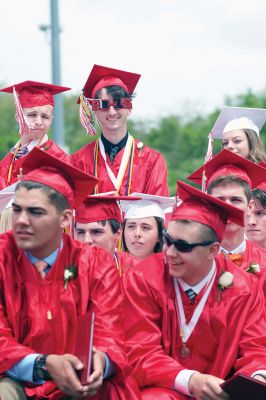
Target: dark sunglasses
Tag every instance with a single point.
(182, 245)
(98, 104)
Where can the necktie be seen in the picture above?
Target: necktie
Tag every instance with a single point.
(22, 151)
(236, 258)
(41, 266)
(191, 295)
(113, 153)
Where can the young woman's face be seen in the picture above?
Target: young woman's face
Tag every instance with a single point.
(141, 236)
(236, 142)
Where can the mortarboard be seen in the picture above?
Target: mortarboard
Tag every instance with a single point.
(101, 77)
(72, 183)
(205, 209)
(33, 94)
(148, 206)
(228, 163)
(232, 118)
(100, 208)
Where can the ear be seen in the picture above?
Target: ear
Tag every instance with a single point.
(251, 203)
(117, 235)
(66, 217)
(214, 249)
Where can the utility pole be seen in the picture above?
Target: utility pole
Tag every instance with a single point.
(58, 122)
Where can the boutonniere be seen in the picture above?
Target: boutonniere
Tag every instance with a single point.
(253, 268)
(140, 146)
(225, 281)
(69, 273)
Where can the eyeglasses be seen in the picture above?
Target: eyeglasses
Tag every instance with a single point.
(182, 245)
(98, 104)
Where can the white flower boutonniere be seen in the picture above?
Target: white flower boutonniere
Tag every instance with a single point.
(69, 273)
(253, 268)
(140, 146)
(225, 280)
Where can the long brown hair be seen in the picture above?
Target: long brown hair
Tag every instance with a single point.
(256, 147)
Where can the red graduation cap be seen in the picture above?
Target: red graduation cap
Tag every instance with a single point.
(227, 163)
(100, 208)
(101, 77)
(72, 183)
(33, 94)
(205, 209)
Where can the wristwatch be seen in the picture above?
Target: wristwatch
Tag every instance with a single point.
(40, 372)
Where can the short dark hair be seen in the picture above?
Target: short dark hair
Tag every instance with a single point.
(223, 180)
(114, 224)
(159, 244)
(206, 232)
(259, 195)
(55, 198)
(115, 92)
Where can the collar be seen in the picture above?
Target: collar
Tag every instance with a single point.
(49, 259)
(108, 146)
(239, 249)
(199, 286)
(31, 144)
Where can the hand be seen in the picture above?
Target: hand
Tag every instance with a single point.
(206, 387)
(260, 378)
(95, 380)
(62, 370)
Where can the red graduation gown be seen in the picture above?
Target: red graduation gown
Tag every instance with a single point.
(149, 172)
(49, 146)
(126, 261)
(229, 335)
(26, 298)
(254, 254)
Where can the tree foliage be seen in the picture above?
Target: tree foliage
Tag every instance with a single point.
(182, 140)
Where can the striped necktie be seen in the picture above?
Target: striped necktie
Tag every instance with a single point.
(41, 266)
(191, 295)
(22, 151)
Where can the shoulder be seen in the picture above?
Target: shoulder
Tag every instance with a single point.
(89, 147)
(143, 149)
(253, 248)
(243, 283)
(89, 258)
(152, 272)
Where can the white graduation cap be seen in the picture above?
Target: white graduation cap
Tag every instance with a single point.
(148, 206)
(233, 118)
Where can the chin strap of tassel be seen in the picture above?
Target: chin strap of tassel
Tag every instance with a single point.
(24, 125)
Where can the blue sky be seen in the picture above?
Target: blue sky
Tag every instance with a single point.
(191, 53)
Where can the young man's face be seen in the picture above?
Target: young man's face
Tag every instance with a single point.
(36, 223)
(40, 118)
(141, 236)
(232, 194)
(191, 267)
(256, 223)
(112, 120)
(96, 234)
